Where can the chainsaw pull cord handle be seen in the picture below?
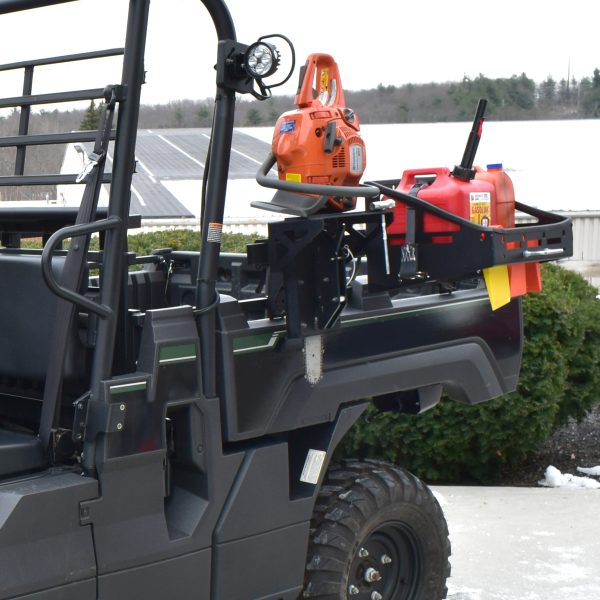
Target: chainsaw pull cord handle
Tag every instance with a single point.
(342, 191)
(328, 85)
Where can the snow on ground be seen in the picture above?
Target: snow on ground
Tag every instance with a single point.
(594, 471)
(555, 479)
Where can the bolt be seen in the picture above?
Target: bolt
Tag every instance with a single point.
(372, 575)
(363, 553)
(386, 560)
(376, 596)
(353, 590)
(122, 407)
(119, 426)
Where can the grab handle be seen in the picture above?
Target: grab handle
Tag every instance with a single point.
(53, 242)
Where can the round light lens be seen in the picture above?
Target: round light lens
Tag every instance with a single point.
(261, 60)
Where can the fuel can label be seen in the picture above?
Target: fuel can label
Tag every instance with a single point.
(313, 466)
(481, 208)
(356, 159)
(287, 126)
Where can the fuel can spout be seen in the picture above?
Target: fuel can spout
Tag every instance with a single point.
(465, 170)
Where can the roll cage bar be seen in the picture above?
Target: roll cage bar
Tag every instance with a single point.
(213, 202)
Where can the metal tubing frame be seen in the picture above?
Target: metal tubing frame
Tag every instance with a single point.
(55, 242)
(73, 96)
(24, 120)
(8, 6)
(212, 221)
(64, 179)
(62, 59)
(120, 195)
(27, 100)
(43, 139)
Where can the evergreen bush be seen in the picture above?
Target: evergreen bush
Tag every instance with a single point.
(559, 379)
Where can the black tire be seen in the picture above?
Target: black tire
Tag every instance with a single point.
(377, 533)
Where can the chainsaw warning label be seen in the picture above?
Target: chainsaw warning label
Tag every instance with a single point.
(356, 159)
(312, 466)
(324, 82)
(215, 233)
(481, 208)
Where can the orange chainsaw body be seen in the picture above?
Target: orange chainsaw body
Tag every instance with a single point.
(320, 141)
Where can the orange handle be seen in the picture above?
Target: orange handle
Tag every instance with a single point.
(320, 73)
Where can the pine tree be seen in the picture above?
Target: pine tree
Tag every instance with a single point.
(91, 118)
(254, 118)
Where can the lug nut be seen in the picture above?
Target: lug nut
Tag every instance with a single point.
(363, 553)
(353, 590)
(376, 596)
(386, 560)
(372, 575)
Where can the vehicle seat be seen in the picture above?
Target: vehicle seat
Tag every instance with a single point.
(27, 312)
(20, 453)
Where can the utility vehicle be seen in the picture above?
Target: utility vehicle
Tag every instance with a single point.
(167, 422)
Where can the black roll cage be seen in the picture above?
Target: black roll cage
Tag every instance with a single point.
(119, 204)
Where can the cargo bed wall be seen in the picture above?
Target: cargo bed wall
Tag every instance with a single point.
(452, 339)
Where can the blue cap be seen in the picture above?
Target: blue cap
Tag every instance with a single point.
(494, 166)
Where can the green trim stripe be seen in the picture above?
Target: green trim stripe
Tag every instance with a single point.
(125, 388)
(268, 340)
(177, 354)
(253, 343)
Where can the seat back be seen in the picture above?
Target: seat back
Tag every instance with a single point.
(27, 314)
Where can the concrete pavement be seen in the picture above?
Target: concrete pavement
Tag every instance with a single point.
(523, 543)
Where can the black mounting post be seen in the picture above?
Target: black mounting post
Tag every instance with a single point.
(465, 170)
(214, 208)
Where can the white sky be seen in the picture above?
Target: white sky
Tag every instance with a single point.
(377, 41)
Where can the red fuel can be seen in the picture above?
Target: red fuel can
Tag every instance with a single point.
(504, 191)
(473, 200)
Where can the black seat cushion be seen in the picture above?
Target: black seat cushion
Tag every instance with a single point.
(20, 453)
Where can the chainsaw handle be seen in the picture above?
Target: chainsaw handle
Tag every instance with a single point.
(262, 177)
(329, 85)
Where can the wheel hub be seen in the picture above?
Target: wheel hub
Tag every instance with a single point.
(385, 565)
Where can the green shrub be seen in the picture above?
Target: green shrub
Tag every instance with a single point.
(559, 379)
(177, 239)
(184, 239)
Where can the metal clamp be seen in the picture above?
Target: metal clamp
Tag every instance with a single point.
(93, 160)
(383, 204)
